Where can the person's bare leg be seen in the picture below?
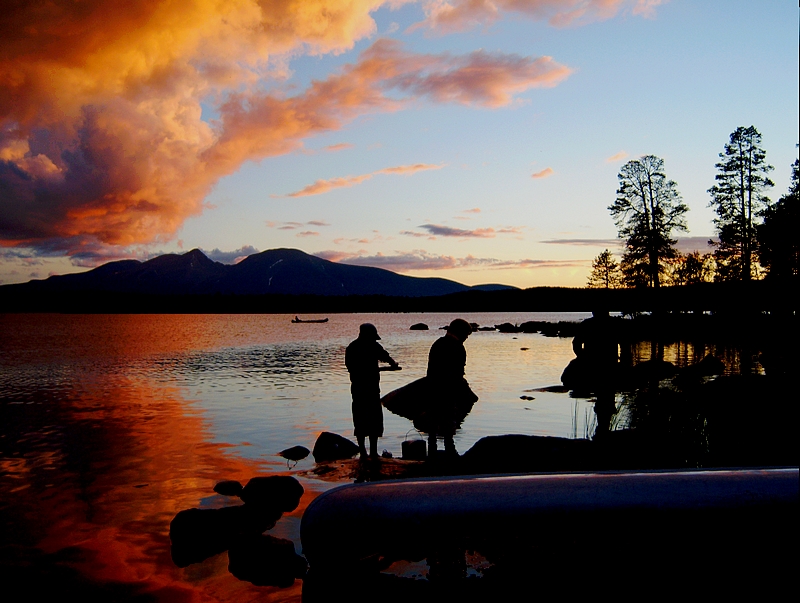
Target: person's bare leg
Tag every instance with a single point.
(431, 445)
(362, 449)
(373, 446)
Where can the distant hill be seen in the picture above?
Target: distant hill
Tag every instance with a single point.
(272, 272)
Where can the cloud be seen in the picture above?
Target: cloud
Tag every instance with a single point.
(230, 257)
(447, 231)
(323, 186)
(418, 260)
(287, 225)
(102, 136)
(317, 223)
(586, 242)
(333, 148)
(474, 210)
(684, 244)
(545, 173)
(616, 157)
(460, 15)
(692, 244)
(308, 233)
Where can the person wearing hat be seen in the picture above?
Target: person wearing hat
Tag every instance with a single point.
(446, 361)
(362, 359)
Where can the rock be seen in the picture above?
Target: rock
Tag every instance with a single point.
(295, 453)
(692, 375)
(274, 492)
(487, 328)
(197, 534)
(228, 487)
(652, 371)
(531, 326)
(523, 453)
(507, 327)
(332, 447)
(266, 561)
(420, 326)
(474, 326)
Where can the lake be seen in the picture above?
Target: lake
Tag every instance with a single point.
(112, 424)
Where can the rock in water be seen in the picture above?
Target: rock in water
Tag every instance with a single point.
(229, 487)
(332, 447)
(278, 492)
(266, 561)
(420, 326)
(295, 453)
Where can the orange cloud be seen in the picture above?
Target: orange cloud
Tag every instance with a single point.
(545, 173)
(323, 186)
(102, 141)
(333, 148)
(460, 15)
(616, 157)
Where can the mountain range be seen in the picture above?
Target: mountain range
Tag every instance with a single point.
(275, 271)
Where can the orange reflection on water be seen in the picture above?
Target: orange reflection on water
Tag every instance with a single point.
(102, 479)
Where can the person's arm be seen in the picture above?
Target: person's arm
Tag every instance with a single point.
(383, 356)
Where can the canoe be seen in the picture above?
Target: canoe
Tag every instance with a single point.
(652, 516)
(316, 320)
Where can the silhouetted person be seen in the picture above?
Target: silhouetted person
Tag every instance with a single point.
(596, 346)
(361, 358)
(446, 361)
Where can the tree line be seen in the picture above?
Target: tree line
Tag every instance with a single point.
(755, 238)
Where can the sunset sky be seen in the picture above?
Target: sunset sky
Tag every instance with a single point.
(476, 140)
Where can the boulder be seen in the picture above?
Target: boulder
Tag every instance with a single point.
(507, 327)
(523, 453)
(420, 326)
(228, 487)
(197, 534)
(333, 447)
(266, 561)
(274, 492)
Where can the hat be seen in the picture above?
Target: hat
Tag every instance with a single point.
(459, 327)
(368, 331)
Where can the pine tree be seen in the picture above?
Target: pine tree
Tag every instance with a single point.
(648, 208)
(606, 272)
(738, 199)
(777, 236)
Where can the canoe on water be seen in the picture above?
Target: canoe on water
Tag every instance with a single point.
(422, 401)
(318, 320)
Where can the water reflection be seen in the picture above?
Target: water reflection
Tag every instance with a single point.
(112, 425)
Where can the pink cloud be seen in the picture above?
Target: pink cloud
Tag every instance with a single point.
(545, 173)
(461, 15)
(323, 186)
(308, 233)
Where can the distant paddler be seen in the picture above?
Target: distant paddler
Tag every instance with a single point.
(362, 359)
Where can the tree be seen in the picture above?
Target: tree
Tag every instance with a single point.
(692, 268)
(606, 273)
(648, 208)
(777, 236)
(738, 200)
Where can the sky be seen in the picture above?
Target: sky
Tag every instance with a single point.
(475, 140)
